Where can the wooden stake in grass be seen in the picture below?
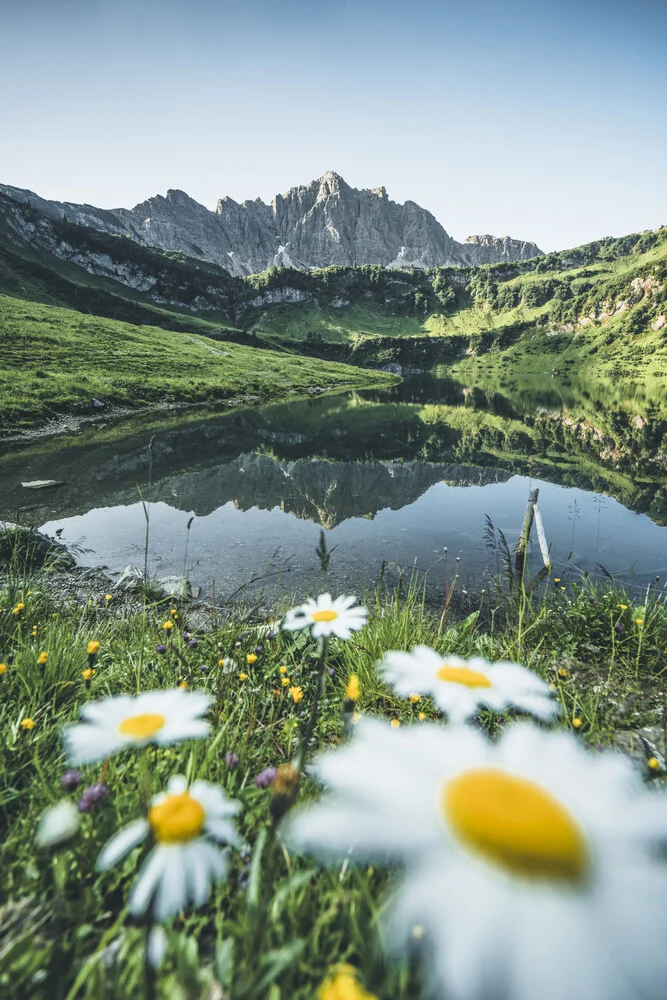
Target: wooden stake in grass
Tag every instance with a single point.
(522, 544)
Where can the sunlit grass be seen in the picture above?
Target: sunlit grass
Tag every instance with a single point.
(276, 931)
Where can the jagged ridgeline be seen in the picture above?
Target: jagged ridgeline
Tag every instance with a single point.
(310, 226)
(600, 309)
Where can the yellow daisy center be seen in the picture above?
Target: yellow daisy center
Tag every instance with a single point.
(464, 676)
(517, 825)
(324, 616)
(177, 820)
(143, 726)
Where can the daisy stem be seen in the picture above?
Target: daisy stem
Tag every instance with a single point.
(312, 718)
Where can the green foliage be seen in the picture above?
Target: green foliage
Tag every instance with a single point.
(55, 361)
(278, 923)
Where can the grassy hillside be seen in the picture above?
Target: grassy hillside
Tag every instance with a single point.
(600, 309)
(603, 306)
(55, 361)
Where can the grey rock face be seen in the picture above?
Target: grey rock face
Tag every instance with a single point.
(498, 249)
(311, 226)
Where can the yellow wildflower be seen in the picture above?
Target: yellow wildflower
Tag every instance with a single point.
(556, 579)
(421, 716)
(87, 674)
(297, 694)
(18, 609)
(285, 682)
(251, 658)
(277, 692)
(174, 613)
(639, 621)
(168, 625)
(42, 658)
(395, 723)
(27, 724)
(414, 698)
(243, 677)
(108, 597)
(3, 668)
(184, 685)
(577, 723)
(283, 669)
(221, 663)
(343, 985)
(353, 690)
(562, 672)
(623, 607)
(653, 763)
(93, 647)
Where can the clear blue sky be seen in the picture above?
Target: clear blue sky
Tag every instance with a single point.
(545, 121)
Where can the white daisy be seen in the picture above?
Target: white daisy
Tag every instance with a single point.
(324, 617)
(58, 824)
(113, 724)
(461, 687)
(532, 865)
(184, 862)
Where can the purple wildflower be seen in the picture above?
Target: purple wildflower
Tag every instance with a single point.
(619, 628)
(331, 671)
(92, 796)
(591, 600)
(271, 635)
(232, 761)
(258, 649)
(193, 644)
(161, 650)
(203, 667)
(265, 778)
(71, 779)
(97, 792)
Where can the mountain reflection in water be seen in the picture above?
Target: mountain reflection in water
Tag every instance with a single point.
(390, 474)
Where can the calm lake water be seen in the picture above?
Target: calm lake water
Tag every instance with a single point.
(392, 476)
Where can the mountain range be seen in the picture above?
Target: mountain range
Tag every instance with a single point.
(311, 226)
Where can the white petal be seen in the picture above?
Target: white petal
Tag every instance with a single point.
(58, 824)
(157, 946)
(213, 799)
(176, 730)
(197, 870)
(86, 744)
(148, 879)
(177, 784)
(121, 844)
(171, 893)
(223, 830)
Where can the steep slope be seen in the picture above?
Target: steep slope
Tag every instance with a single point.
(59, 361)
(312, 226)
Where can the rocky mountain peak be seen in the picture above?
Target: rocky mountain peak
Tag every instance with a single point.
(311, 226)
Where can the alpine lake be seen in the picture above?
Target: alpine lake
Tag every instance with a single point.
(397, 479)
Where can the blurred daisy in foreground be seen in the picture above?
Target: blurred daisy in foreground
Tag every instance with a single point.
(57, 824)
(462, 687)
(325, 616)
(113, 724)
(531, 865)
(184, 863)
